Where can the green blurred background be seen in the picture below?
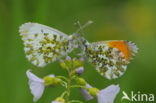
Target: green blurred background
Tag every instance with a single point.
(113, 20)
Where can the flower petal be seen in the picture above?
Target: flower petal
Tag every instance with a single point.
(36, 85)
(33, 77)
(55, 102)
(108, 94)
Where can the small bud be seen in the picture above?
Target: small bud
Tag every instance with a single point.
(71, 63)
(77, 63)
(67, 63)
(81, 81)
(51, 81)
(79, 70)
(59, 100)
(93, 91)
(63, 65)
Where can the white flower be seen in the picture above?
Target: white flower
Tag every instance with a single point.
(36, 85)
(108, 94)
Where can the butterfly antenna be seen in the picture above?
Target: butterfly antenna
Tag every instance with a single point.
(82, 27)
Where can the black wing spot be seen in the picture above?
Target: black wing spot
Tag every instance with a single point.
(42, 31)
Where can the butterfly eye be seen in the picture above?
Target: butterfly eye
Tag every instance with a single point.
(111, 57)
(43, 44)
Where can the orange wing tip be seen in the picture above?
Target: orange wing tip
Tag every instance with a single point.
(127, 48)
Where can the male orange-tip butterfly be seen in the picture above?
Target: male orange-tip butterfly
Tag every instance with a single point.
(43, 45)
(110, 57)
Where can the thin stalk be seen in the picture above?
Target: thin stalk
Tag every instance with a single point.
(68, 85)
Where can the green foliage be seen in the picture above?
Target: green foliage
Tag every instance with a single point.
(113, 19)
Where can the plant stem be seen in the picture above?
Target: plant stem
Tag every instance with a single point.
(68, 85)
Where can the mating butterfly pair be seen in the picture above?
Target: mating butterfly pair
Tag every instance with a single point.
(43, 45)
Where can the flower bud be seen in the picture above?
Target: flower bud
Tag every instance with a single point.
(77, 63)
(81, 81)
(71, 63)
(51, 81)
(63, 65)
(59, 100)
(93, 91)
(79, 70)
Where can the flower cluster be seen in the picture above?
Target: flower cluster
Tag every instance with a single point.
(43, 45)
(37, 85)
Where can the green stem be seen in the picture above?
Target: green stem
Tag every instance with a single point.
(78, 86)
(75, 101)
(68, 85)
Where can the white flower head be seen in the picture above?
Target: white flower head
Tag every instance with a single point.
(36, 85)
(108, 94)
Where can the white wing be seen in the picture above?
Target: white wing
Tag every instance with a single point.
(43, 44)
(35, 28)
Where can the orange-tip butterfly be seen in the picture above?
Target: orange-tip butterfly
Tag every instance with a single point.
(109, 57)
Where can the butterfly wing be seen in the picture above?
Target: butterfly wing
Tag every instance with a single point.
(43, 44)
(111, 57)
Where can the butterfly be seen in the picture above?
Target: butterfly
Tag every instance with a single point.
(110, 57)
(43, 44)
